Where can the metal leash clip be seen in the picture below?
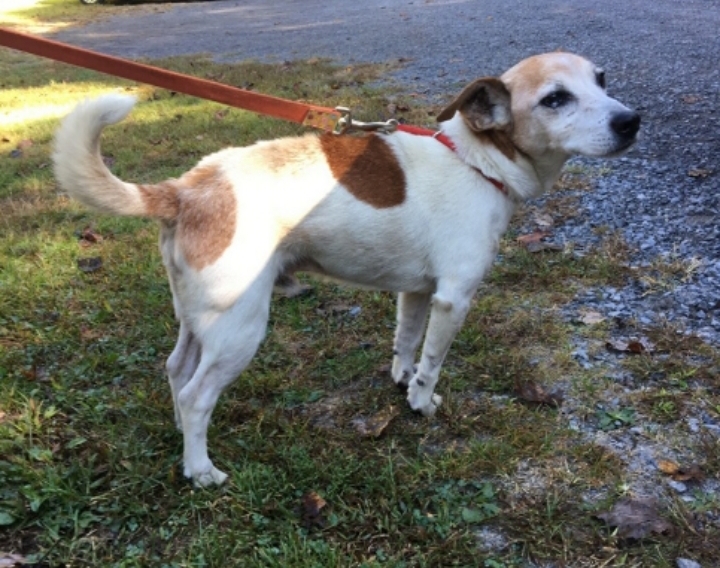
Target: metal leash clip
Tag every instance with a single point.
(346, 124)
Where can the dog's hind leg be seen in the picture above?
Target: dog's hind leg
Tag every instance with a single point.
(411, 314)
(181, 365)
(450, 305)
(228, 343)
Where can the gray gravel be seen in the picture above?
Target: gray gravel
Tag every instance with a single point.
(661, 57)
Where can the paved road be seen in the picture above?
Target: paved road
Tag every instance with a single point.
(662, 58)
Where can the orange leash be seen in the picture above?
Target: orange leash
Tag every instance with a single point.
(302, 113)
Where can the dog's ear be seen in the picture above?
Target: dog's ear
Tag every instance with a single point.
(484, 105)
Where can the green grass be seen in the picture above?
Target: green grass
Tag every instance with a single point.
(89, 456)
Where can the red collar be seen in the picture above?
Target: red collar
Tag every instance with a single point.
(443, 139)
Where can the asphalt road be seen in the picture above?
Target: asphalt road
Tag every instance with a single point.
(662, 58)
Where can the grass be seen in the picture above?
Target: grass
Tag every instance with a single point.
(89, 456)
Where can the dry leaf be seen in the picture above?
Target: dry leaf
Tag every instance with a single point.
(543, 220)
(92, 264)
(699, 173)
(592, 318)
(311, 506)
(25, 144)
(690, 99)
(691, 473)
(375, 425)
(88, 236)
(219, 115)
(535, 237)
(636, 518)
(530, 391)
(635, 346)
(540, 246)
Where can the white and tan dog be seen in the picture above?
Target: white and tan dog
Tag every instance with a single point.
(397, 212)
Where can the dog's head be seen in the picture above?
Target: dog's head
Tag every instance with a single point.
(553, 103)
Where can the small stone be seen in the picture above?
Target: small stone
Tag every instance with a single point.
(693, 424)
(678, 486)
(491, 539)
(685, 563)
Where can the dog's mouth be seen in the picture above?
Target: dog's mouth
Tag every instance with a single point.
(622, 147)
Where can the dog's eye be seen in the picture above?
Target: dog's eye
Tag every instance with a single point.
(600, 78)
(556, 99)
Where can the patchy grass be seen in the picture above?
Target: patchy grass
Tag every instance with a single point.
(89, 456)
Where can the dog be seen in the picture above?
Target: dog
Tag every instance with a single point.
(418, 215)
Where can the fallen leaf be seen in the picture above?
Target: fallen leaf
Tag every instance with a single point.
(691, 473)
(699, 173)
(540, 246)
(25, 144)
(311, 506)
(88, 237)
(530, 391)
(635, 346)
(690, 99)
(591, 317)
(373, 426)
(221, 114)
(535, 237)
(92, 264)
(544, 220)
(636, 518)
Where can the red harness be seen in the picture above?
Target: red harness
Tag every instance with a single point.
(443, 139)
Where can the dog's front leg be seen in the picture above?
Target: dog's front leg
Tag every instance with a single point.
(411, 313)
(449, 308)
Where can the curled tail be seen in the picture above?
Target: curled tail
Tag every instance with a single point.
(80, 170)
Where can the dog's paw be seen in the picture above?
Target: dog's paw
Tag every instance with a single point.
(208, 478)
(402, 374)
(423, 401)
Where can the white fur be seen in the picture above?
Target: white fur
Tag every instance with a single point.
(434, 248)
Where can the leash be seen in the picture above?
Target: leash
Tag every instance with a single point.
(338, 120)
(302, 113)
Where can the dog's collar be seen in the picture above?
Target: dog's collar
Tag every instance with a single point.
(443, 139)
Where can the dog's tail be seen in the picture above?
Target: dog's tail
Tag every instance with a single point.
(81, 171)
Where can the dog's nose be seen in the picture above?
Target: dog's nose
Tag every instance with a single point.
(625, 124)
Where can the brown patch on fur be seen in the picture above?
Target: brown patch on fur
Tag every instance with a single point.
(161, 199)
(207, 215)
(367, 167)
(287, 154)
(531, 74)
